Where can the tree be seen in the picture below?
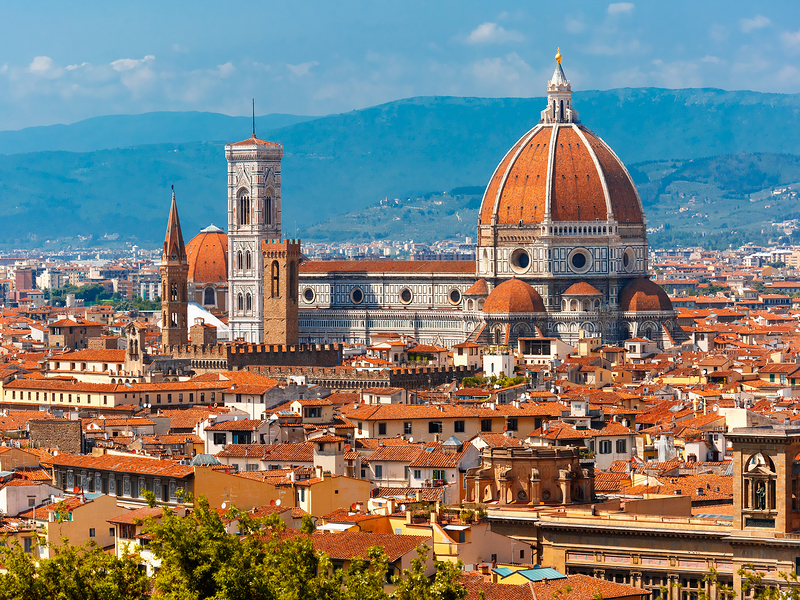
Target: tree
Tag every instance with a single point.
(74, 572)
(415, 585)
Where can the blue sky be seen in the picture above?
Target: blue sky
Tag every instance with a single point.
(61, 62)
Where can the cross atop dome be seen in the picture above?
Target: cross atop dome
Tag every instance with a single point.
(559, 97)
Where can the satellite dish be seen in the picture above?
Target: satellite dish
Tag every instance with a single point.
(347, 447)
(76, 490)
(272, 502)
(278, 502)
(224, 505)
(354, 506)
(411, 439)
(403, 507)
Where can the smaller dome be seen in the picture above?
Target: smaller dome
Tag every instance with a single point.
(513, 296)
(642, 295)
(479, 288)
(207, 255)
(581, 289)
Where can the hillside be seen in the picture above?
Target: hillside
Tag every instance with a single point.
(713, 201)
(343, 163)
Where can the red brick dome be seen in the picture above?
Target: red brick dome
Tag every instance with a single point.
(581, 289)
(513, 296)
(570, 172)
(207, 255)
(642, 295)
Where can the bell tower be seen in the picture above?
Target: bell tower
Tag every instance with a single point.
(254, 215)
(174, 278)
(281, 316)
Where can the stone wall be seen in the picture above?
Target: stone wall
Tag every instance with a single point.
(66, 436)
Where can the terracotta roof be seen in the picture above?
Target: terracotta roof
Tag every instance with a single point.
(518, 189)
(642, 295)
(90, 355)
(388, 266)
(240, 425)
(351, 544)
(513, 296)
(583, 587)
(581, 289)
(479, 288)
(131, 516)
(254, 141)
(207, 254)
(124, 464)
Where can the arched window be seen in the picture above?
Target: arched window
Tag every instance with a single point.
(240, 302)
(276, 279)
(248, 302)
(248, 262)
(174, 320)
(239, 262)
(173, 292)
(164, 320)
(243, 207)
(268, 209)
(561, 117)
(554, 109)
(208, 296)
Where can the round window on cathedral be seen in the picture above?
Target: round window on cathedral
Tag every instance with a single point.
(356, 296)
(454, 296)
(520, 260)
(580, 261)
(308, 295)
(406, 296)
(628, 260)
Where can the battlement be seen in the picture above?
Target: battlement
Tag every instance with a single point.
(337, 378)
(239, 355)
(279, 247)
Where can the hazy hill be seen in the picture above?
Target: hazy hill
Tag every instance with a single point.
(712, 201)
(342, 163)
(123, 131)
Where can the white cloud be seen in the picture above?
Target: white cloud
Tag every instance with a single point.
(619, 8)
(226, 70)
(492, 33)
(73, 67)
(791, 39)
(718, 32)
(128, 64)
(757, 22)
(44, 66)
(575, 25)
(303, 68)
(710, 59)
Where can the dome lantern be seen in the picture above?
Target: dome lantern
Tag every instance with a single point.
(559, 97)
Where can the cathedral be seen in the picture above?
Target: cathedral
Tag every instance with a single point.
(561, 248)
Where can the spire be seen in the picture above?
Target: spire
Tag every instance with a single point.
(174, 248)
(559, 97)
(254, 116)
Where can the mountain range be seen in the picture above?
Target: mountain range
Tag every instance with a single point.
(111, 175)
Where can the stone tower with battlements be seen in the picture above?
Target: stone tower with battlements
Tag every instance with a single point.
(254, 215)
(281, 265)
(174, 275)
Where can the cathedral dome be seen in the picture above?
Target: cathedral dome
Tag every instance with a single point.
(642, 295)
(580, 180)
(560, 170)
(513, 296)
(207, 255)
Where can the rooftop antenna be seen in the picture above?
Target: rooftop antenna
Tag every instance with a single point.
(254, 116)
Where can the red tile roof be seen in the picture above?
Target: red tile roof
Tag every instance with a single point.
(124, 464)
